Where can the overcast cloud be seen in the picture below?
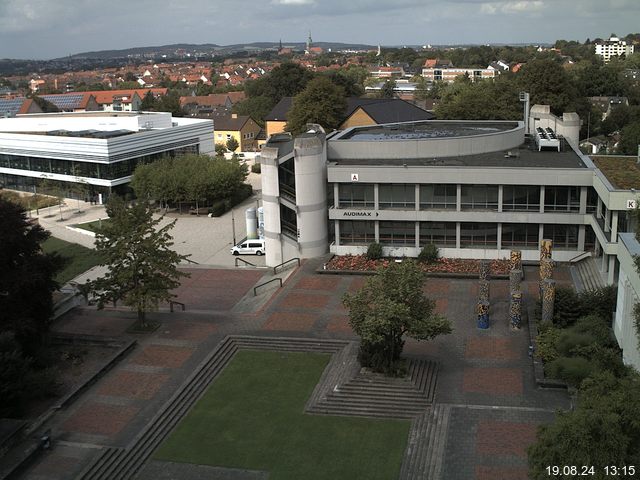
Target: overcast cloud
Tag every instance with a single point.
(55, 28)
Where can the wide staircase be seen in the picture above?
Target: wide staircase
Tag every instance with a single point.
(588, 274)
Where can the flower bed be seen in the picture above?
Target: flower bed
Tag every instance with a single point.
(443, 265)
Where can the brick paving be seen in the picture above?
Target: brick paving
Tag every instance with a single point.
(133, 384)
(485, 376)
(100, 419)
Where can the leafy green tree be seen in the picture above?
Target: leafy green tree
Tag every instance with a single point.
(26, 278)
(388, 89)
(630, 139)
(232, 144)
(549, 84)
(220, 149)
(286, 80)
(149, 103)
(255, 107)
(142, 269)
(320, 102)
(45, 105)
(392, 305)
(603, 430)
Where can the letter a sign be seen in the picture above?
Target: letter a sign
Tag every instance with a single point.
(354, 177)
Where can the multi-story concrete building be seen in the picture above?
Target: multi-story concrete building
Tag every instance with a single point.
(475, 189)
(449, 74)
(614, 47)
(100, 150)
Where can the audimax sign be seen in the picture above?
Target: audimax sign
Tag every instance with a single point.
(359, 213)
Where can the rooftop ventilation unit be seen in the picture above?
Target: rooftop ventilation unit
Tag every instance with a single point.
(546, 138)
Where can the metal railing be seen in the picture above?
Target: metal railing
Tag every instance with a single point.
(580, 256)
(173, 302)
(296, 259)
(244, 261)
(255, 289)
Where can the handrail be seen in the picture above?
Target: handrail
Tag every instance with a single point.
(277, 279)
(244, 261)
(172, 302)
(575, 259)
(191, 261)
(284, 263)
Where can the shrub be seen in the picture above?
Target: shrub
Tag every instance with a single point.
(428, 254)
(374, 251)
(546, 344)
(572, 370)
(217, 208)
(574, 343)
(375, 356)
(255, 168)
(567, 307)
(596, 326)
(600, 302)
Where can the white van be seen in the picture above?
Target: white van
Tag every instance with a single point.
(249, 247)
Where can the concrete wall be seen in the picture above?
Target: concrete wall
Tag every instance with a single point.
(568, 126)
(428, 147)
(628, 295)
(271, 206)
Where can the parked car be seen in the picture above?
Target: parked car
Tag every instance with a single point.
(249, 247)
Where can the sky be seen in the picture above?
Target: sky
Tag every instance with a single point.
(44, 29)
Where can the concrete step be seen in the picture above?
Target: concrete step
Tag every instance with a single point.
(364, 411)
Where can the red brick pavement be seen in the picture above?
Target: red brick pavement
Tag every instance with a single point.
(441, 306)
(339, 324)
(194, 332)
(493, 381)
(100, 419)
(289, 321)
(356, 284)
(162, 356)
(54, 466)
(133, 384)
(504, 438)
(414, 347)
(215, 289)
(501, 473)
(92, 323)
(302, 300)
(319, 282)
(494, 348)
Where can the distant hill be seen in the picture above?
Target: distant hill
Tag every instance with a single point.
(207, 49)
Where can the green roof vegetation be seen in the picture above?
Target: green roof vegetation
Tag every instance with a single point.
(622, 172)
(252, 417)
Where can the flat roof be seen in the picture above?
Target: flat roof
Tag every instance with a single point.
(525, 156)
(623, 172)
(426, 130)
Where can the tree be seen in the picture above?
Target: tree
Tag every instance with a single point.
(630, 139)
(45, 105)
(232, 144)
(142, 269)
(220, 149)
(149, 102)
(388, 89)
(286, 80)
(603, 430)
(549, 84)
(320, 102)
(255, 107)
(389, 306)
(26, 278)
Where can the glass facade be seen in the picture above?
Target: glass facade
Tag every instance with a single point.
(478, 235)
(564, 237)
(562, 199)
(520, 235)
(438, 197)
(398, 233)
(287, 179)
(520, 198)
(479, 197)
(400, 196)
(355, 196)
(357, 232)
(441, 234)
(288, 222)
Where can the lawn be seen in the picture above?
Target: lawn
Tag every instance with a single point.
(80, 259)
(92, 226)
(252, 417)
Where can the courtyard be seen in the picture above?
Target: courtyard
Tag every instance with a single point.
(484, 411)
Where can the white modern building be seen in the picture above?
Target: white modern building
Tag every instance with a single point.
(98, 149)
(614, 47)
(624, 326)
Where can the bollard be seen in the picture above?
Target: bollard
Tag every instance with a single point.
(483, 315)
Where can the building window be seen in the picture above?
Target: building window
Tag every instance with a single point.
(479, 197)
(479, 235)
(228, 136)
(353, 232)
(288, 222)
(520, 235)
(399, 196)
(592, 200)
(441, 234)
(355, 196)
(438, 197)
(287, 179)
(562, 199)
(564, 237)
(520, 198)
(398, 233)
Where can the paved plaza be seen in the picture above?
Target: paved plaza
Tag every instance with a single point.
(485, 378)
